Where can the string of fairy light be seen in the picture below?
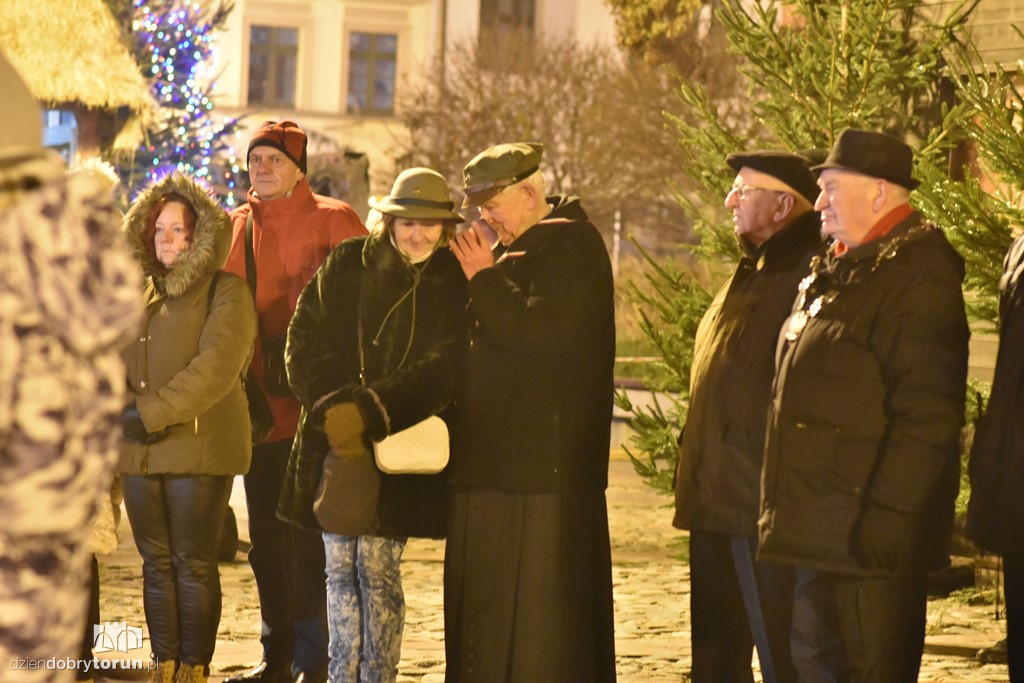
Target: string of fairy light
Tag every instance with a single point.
(180, 45)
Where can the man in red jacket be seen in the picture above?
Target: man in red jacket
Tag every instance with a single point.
(291, 231)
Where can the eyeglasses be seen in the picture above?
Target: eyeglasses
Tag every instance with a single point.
(743, 191)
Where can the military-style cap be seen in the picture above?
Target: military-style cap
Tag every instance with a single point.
(873, 154)
(794, 170)
(498, 167)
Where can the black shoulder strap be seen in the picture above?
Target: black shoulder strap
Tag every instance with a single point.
(250, 257)
(212, 291)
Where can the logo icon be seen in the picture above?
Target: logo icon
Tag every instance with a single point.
(118, 636)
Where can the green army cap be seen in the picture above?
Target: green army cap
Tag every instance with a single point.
(498, 167)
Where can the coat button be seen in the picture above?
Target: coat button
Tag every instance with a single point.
(142, 383)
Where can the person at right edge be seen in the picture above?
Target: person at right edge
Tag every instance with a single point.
(862, 449)
(736, 603)
(293, 231)
(527, 575)
(995, 512)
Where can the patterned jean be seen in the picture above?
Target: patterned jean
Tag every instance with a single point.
(365, 607)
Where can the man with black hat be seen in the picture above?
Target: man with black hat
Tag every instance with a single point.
(280, 239)
(862, 451)
(528, 564)
(736, 603)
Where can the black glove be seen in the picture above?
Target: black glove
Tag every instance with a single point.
(135, 431)
(886, 538)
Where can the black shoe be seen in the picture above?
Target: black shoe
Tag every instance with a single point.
(264, 673)
(996, 654)
(307, 677)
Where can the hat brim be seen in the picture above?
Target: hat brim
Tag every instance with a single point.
(909, 183)
(477, 198)
(402, 211)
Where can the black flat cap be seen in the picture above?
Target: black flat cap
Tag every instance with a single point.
(792, 169)
(873, 154)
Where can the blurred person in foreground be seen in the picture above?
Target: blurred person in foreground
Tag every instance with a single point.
(735, 602)
(528, 565)
(863, 447)
(69, 300)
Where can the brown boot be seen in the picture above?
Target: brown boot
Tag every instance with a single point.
(163, 673)
(191, 673)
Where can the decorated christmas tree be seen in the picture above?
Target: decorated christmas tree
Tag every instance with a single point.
(173, 41)
(813, 68)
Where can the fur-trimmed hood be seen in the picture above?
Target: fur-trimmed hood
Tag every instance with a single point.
(210, 241)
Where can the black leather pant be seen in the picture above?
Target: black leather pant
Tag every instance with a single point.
(176, 520)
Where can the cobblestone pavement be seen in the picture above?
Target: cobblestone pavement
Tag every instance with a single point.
(651, 602)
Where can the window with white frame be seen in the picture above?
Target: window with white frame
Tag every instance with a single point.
(507, 15)
(273, 65)
(371, 73)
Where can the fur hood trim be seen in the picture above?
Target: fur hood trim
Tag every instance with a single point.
(97, 171)
(210, 241)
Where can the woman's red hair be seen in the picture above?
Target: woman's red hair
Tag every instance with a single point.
(149, 232)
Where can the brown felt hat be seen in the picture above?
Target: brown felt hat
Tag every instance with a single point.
(872, 154)
(419, 193)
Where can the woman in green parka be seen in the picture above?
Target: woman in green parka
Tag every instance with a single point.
(373, 348)
(187, 430)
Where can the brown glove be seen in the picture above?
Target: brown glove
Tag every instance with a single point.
(344, 427)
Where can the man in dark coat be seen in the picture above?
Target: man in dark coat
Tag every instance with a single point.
(528, 565)
(735, 602)
(862, 450)
(995, 514)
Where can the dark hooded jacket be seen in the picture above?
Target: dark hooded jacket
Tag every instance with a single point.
(868, 402)
(718, 477)
(185, 365)
(538, 401)
(415, 311)
(995, 514)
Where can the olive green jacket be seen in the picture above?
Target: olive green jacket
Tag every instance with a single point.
(184, 367)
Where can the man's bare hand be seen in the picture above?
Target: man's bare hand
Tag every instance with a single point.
(472, 250)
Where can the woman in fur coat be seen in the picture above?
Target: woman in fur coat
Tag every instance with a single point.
(186, 426)
(374, 348)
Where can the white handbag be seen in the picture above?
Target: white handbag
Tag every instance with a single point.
(420, 449)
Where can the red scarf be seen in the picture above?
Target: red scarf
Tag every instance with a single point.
(882, 228)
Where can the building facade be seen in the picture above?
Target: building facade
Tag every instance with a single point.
(338, 66)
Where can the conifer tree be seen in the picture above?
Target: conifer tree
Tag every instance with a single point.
(813, 68)
(173, 42)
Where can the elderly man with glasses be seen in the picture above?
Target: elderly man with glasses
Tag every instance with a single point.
(736, 602)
